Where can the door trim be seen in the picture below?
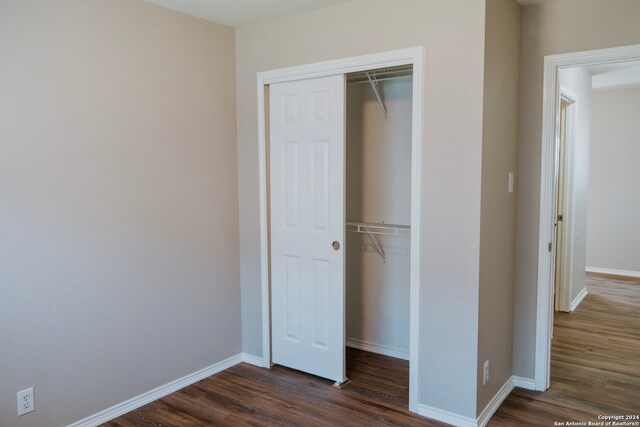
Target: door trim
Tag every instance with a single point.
(563, 292)
(551, 93)
(411, 56)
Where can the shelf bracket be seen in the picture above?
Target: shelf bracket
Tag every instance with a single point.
(375, 245)
(374, 86)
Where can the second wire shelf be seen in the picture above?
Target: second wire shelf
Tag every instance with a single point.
(379, 229)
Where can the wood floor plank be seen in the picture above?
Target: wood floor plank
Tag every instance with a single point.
(595, 369)
(246, 395)
(595, 360)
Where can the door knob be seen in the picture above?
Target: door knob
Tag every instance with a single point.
(335, 245)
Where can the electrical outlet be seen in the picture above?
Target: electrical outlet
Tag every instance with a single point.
(26, 402)
(485, 373)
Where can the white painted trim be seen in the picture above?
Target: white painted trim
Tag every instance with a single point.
(446, 416)
(546, 260)
(155, 394)
(487, 412)
(578, 299)
(265, 276)
(568, 229)
(544, 311)
(613, 271)
(252, 360)
(377, 348)
(485, 415)
(415, 57)
(342, 66)
(526, 383)
(495, 403)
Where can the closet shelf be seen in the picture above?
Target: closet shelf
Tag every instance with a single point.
(379, 228)
(380, 74)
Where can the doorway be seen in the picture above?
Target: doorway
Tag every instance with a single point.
(407, 57)
(565, 149)
(553, 66)
(378, 210)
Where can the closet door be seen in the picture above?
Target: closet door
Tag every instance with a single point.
(307, 186)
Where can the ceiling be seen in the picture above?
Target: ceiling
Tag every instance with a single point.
(238, 13)
(618, 75)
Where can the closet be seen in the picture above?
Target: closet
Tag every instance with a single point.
(339, 167)
(378, 210)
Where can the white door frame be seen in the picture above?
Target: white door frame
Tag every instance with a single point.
(551, 93)
(412, 56)
(563, 292)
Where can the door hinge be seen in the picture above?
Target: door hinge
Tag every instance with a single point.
(550, 246)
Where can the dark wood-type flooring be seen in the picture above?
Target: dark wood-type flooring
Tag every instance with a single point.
(595, 369)
(245, 395)
(595, 361)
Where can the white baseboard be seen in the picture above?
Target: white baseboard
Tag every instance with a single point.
(446, 416)
(486, 414)
(252, 360)
(377, 348)
(526, 383)
(613, 272)
(578, 299)
(155, 394)
(495, 403)
(424, 410)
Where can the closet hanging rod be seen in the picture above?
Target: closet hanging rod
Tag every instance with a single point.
(379, 228)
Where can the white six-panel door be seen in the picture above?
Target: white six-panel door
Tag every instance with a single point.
(307, 186)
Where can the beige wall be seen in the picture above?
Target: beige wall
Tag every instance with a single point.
(553, 27)
(613, 228)
(498, 221)
(379, 190)
(452, 34)
(118, 203)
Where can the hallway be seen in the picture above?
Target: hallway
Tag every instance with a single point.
(595, 360)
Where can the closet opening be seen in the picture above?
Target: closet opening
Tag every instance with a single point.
(340, 165)
(378, 225)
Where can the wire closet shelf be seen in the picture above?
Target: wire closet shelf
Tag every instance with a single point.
(379, 228)
(380, 74)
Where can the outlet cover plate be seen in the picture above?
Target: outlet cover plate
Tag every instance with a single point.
(26, 402)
